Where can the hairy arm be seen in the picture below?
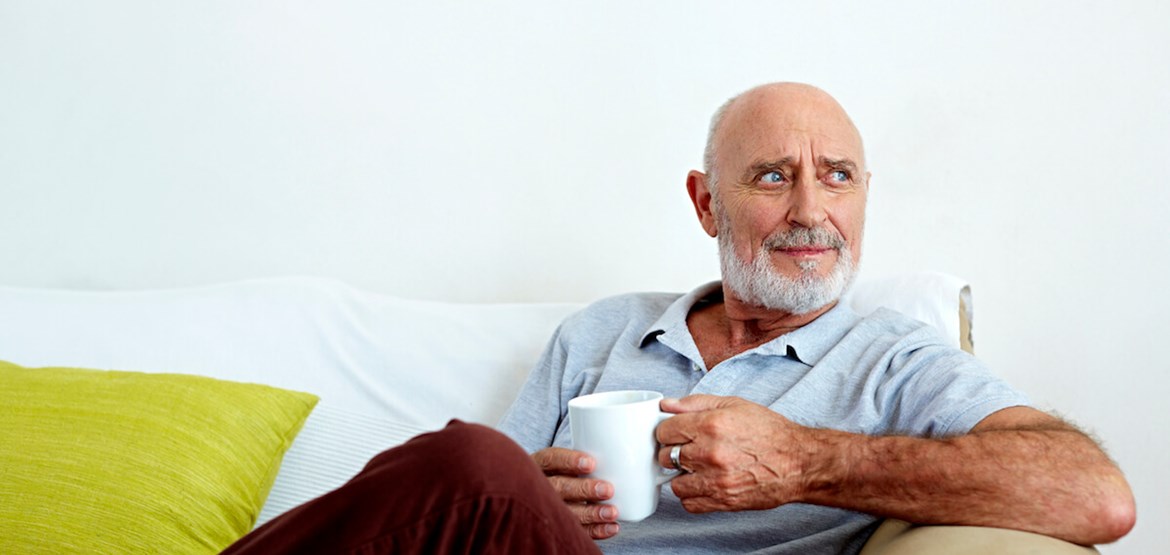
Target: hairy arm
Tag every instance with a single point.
(1019, 468)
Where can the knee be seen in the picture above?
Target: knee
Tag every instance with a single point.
(478, 454)
(460, 435)
(470, 455)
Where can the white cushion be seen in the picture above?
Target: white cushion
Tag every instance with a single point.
(931, 297)
(385, 368)
(416, 362)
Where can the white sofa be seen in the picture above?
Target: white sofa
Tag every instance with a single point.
(385, 368)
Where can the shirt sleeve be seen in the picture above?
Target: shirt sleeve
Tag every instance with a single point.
(943, 391)
(535, 415)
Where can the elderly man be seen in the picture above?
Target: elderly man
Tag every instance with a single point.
(791, 406)
(800, 423)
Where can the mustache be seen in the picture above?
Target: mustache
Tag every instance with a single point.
(805, 237)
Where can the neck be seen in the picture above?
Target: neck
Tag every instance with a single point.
(748, 325)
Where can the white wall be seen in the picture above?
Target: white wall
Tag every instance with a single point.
(504, 151)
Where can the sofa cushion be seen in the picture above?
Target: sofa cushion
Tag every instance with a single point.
(125, 462)
(385, 368)
(420, 363)
(935, 298)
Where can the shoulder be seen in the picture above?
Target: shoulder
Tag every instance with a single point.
(882, 342)
(889, 327)
(895, 349)
(936, 387)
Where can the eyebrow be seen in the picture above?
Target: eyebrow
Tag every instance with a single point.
(838, 164)
(764, 166)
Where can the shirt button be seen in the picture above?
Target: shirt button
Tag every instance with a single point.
(696, 366)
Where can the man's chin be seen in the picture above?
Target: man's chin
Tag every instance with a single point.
(780, 282)
(807, 271)
(803, 266)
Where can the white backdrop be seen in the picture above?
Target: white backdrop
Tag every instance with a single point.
(531, 150)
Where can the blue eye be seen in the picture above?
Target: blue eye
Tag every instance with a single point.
(772, 177)
(839, 175)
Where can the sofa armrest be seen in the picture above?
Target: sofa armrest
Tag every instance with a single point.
(896, 537)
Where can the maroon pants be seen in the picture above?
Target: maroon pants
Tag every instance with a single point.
(465, 489)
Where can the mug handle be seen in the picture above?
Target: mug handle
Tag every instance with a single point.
(666, 474)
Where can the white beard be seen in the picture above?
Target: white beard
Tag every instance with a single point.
(759, 284)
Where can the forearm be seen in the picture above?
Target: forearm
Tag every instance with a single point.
(1018, 468)
(1051, 480)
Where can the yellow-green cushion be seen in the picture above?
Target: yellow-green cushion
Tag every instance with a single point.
(98, 461)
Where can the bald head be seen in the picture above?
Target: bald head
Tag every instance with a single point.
(795, 107)
(789, 208)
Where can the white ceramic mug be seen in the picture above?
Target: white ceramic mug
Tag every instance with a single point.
(617, 429)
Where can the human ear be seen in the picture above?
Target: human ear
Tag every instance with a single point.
(701, 199)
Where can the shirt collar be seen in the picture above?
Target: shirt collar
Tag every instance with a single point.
(814, 340)
(809, 344)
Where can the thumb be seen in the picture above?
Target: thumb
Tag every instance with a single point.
(696, 403)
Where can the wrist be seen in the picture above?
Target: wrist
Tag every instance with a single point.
(827, 460)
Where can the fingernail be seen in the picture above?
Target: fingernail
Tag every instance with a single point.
(583, 464)
(600, 490)
(608, 513)
(611, 529)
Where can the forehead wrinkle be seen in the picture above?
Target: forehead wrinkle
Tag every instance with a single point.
(784, 112)
(796, 139)
(765, 138)
(785, 153)
(768, 164)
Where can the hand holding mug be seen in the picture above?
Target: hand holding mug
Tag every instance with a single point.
(617, 429)
(740, 455)
(584, 497)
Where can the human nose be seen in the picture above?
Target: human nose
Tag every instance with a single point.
(807, 206)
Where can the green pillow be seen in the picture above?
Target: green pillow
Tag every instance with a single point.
(125, 462)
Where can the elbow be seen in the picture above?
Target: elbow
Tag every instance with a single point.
(1118, 519)
(1116, 514)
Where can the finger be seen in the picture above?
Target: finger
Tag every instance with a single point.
(604, 531)
(558, 461)
(581, 490)
(690, 486)
(698, 505)
(696, 403)
(678, 429)
(593, 514)
(690, 412)
(664, 457)
(692, 491)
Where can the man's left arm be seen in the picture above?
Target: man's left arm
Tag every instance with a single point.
(1018, 468)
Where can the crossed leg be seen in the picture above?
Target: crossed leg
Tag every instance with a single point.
(464, 489)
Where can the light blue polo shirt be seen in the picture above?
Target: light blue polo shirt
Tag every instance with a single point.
(880, 374)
